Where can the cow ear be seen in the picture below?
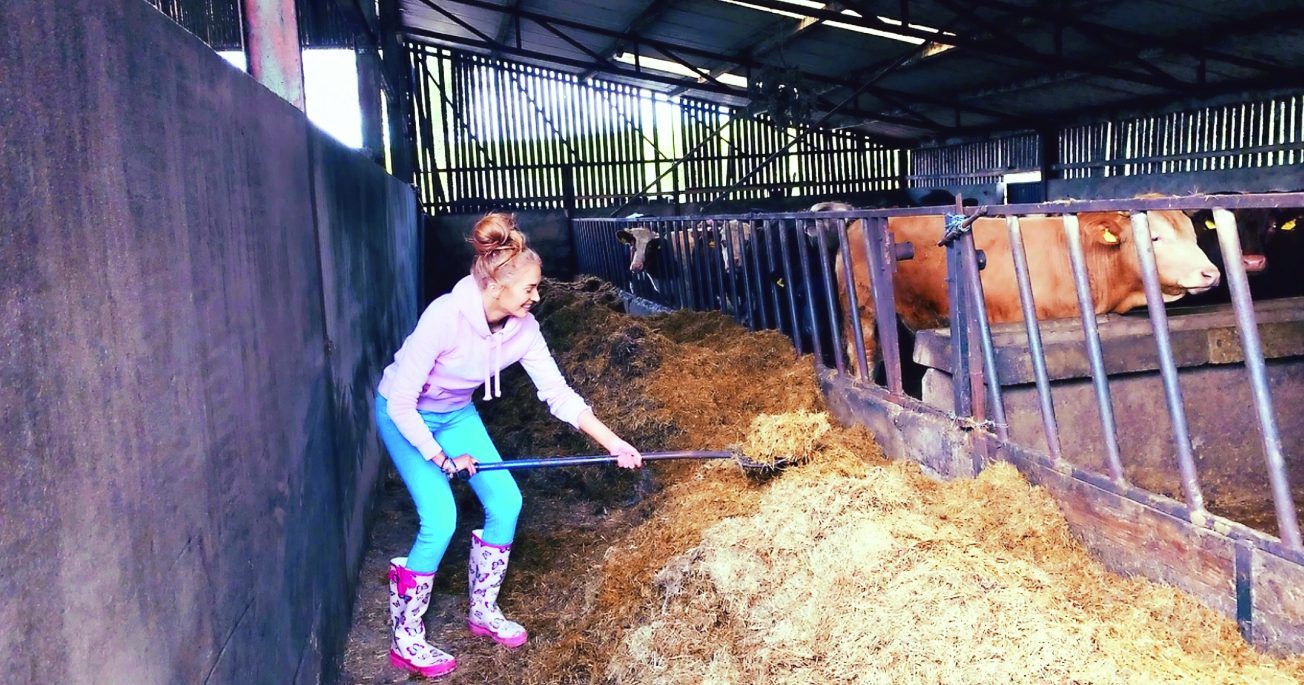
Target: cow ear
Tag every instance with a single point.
(1108, 231)
(625, 237)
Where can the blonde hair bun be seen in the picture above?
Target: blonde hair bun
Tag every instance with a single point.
(499, 248)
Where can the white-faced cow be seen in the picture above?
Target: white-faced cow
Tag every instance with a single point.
(1113, 268)
(649, 261)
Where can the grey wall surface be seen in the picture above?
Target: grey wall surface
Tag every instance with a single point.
(448, 254)
(184, 485)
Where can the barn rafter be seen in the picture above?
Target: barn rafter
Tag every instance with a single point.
(980, 66)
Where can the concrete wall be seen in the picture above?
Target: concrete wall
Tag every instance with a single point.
(198, 292)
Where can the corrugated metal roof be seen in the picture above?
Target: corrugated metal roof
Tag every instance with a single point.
(1014, 63)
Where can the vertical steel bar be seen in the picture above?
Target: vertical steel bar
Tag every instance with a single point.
(702, 266)
(728, 274)
(1167, 367)
(712, 265)
(789, 285)
(770, 271)
(739, 247)
(1087, 312)
(1034, 337)
(670, 257)
(881, 254)
(978, 302)
(967, 260)
(830, 298)
(755, 246)
(961, 388)
(1252, 350)
(803, 260)
(853, 306)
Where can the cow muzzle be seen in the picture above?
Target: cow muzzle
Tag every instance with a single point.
(1201, 281)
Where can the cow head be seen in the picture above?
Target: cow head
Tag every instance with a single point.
(1258, 230)
(639, 239)
(729, 237)
(1183, 267)
(829, 227)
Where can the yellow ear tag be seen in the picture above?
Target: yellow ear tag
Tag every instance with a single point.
(1109, 237)
(1209, 223)
(1289, 225)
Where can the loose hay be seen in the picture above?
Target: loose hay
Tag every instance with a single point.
(847, 569)
(788, 438)
(891, 577)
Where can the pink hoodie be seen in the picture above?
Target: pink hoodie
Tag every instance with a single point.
(452, 352)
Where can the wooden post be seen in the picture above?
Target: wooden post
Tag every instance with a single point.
(272, 47)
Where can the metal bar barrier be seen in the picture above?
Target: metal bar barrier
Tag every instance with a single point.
(881, 255)
(974, 288)
(803, 260)
(1172, 389)
(853, 305)
(704, 270)
(1087, 312)
(1252, 351)
(790, 286)
(1034, 337)
(830, 293)
(758, 305)
(770, 273)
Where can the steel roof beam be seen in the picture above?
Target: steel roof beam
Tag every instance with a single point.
(966, 11)
(509, 25)
(779, 34)
(1188, 45)
(1021, 53)
(878, 91)
(487, 44)
(651, 12)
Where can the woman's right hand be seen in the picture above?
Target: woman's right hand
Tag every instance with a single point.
(465, 463)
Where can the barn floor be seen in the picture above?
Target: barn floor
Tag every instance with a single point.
(850, 568)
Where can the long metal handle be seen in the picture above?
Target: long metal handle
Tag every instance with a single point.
(549, 462)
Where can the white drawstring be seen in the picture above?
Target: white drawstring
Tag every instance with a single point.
(498, 369)
(493, 382)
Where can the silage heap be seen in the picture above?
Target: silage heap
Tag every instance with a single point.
(849, 568)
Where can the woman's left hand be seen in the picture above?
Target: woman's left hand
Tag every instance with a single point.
(626, 456)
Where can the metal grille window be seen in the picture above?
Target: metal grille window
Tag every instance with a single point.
(986, 161)
(1242, 135)
(493, 133)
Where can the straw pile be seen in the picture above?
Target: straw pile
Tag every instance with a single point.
(890, 577)
(849, 568)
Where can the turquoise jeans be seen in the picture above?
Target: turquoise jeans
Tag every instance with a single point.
(458, 432)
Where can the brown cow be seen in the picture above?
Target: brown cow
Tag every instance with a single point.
(1113, 268)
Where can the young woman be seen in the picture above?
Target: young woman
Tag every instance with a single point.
(431, 430)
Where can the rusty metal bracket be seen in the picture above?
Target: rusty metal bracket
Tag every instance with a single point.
(959, 224)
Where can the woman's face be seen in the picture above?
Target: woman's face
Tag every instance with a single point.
(517, 294)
